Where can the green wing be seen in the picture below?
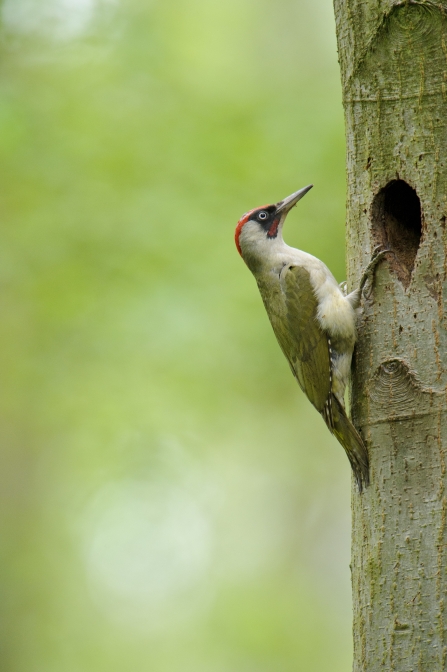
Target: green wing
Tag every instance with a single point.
(308, 349)
(305, 344)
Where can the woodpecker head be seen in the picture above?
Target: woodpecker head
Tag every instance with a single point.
(260, 229)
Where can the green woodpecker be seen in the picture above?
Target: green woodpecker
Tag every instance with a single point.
(312, 316)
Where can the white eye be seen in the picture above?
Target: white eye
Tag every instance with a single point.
(263, 215)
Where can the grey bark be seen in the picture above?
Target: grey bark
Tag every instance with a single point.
(393, 59)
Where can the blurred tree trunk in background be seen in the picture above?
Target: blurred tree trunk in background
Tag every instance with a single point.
(393, 59)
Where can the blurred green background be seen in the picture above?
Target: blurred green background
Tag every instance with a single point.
(169, 500)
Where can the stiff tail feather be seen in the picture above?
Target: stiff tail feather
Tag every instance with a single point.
(350, 439)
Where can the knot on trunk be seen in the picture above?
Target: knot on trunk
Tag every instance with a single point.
(395, 386)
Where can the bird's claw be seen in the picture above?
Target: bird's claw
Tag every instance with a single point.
(344, 287)
(379, 253)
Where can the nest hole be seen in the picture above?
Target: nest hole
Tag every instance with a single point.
(397, 225)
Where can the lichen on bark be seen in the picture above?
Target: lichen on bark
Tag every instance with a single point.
(393, 60)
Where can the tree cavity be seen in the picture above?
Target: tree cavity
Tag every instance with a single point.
(397, 225)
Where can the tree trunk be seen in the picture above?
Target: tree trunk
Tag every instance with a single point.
(393, 58)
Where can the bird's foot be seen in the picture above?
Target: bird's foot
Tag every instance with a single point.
(344, 287)
(366, 283)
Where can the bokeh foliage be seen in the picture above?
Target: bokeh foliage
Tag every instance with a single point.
(169, 501)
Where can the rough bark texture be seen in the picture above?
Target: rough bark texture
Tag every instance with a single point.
(393, 58)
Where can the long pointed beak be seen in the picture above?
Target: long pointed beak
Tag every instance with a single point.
(287, 203)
